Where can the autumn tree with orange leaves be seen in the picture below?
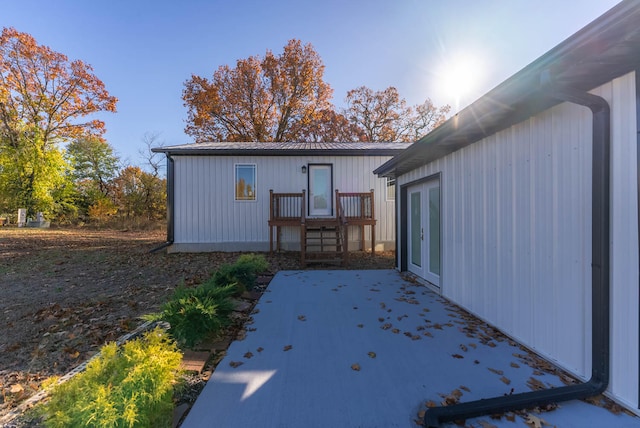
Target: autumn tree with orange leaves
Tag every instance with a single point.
(385, 116)
(45, 100)
(270, 98)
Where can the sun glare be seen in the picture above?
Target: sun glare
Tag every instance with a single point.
(460, 76)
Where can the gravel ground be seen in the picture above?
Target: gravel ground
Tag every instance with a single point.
(66, 292)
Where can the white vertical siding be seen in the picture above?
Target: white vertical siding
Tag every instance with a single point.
(517, 233)
(208, 218)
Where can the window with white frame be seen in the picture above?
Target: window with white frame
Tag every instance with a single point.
(245, 182)
(391, 189)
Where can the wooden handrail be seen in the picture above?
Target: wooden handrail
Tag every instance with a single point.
(286, 206)
(357, 205)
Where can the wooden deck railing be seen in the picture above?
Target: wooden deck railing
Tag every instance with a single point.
(359, 211)
(343, 226)
(352, 209)
(285, 209)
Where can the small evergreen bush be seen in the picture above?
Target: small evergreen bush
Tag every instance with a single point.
(243, 272)
(127, 386)
(193, 313)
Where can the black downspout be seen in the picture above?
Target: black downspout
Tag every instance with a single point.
(599, 286)
(170, 197)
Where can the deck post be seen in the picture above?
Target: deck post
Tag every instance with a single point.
(373, 226)
(270, 218)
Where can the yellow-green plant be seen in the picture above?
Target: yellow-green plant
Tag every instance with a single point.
(127, 386)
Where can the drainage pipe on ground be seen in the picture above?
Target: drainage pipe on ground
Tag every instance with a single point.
(599, 285)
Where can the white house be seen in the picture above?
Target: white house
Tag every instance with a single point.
(219, 193)
(523, 209)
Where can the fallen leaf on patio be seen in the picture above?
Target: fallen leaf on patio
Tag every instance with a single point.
(287, 348)
(396, 330)
(464, 348)
(438, 326)
(355, 367)
(430, 404)
(421, 414)
(415, 337)
(248, 355)
(473, 345)
(255, 311)
(425, 309)
(382, 305)
(260, 349)
(535, 384)
(485, 424)
(535, 422)
(505, 380)
(380, 319)
(235, 364)
(515, 365)
(491, 344)
(496, 371)
(476, 362)
(452, 398)
(371, 354)
(428, 334)
(464, 388)
(360, 325)
(302, 317)
(386, 326)
(16, 388)
(457, 356)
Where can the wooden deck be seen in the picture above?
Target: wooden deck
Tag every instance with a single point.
(322, 239)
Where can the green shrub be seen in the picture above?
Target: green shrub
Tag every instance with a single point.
(193, 313)
(243, 272)
(127, 386)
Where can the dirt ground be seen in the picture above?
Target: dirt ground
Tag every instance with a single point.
(66, 292)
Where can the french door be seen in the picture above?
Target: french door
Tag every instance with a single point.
(423, 220)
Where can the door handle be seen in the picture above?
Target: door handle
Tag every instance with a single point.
(422, 234)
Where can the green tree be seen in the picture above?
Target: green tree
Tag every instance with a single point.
(33, 176)
(94, 166)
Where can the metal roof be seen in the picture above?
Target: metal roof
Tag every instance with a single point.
(284, 149)
(607, 48)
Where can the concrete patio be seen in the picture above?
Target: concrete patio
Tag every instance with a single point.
(368, 349)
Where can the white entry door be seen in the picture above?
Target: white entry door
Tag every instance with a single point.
(320, 190)
(423, 220)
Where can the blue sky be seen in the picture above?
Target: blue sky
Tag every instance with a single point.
(144, 51)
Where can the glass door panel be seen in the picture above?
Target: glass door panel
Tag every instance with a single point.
(320, 190)
(434, 230)
(416, 229)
